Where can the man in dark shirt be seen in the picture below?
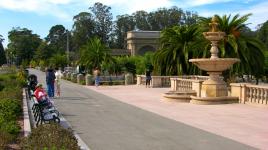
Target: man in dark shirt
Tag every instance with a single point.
(148, 78)
(50, 80)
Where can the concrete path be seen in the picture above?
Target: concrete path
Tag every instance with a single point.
(105, 123)
(240, 122)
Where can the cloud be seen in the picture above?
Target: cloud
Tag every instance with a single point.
(193, 3)
(259, 12)
(42, 7)
(131, 6)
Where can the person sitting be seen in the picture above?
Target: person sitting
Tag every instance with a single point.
(40, 94)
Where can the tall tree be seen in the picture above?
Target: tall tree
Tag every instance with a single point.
(3, 59)
(83, 29)
(93, 53)
(103, 20)
(141, 19)
(176, 44)
(123, 24)
(23, 43)
(262, 33)
(43, 52)
(57, 38)
(189, 18)
(159, 19)
(164, 18)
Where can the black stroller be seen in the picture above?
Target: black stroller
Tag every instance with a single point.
(32, 82)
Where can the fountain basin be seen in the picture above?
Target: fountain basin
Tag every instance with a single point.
(214, 65)
(179, 96)
(213, 100)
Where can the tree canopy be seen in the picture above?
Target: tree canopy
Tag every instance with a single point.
(3, 59)
(22, 44)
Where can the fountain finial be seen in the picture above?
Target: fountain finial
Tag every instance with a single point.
(214, 24)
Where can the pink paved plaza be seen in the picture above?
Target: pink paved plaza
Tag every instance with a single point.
(240, 122)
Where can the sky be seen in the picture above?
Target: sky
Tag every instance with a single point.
(40, 15)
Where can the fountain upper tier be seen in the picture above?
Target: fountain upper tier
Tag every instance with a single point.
(214, 65)
(214, 36)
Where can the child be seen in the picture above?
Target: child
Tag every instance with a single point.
(58, 76)
(39, 93)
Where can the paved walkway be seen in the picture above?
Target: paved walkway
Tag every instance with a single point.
(243, 123)
(105, 123)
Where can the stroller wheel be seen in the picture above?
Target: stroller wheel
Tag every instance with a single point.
(56, 119)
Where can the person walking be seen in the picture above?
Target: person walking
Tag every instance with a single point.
(50, 80)
(97, 76)
(148, 78)
(58, 76)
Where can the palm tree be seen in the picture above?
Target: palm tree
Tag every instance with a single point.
(94, 53)
(237, 45)
(178, 44)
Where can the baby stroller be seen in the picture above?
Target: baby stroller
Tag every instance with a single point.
(43, 108)
(32, 82)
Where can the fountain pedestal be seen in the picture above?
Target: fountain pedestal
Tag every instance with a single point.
(214, 86)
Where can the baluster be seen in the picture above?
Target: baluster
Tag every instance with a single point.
(254, 95)
(262, 96)
(247, 90)
(266, 96)
(257, 95)
(178, 85)
(190, 85)
(250, 94)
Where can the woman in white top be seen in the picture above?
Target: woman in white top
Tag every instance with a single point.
(58, 76)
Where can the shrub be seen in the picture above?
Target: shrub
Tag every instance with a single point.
(5, 138)
(21, 78)
(10, 127)
(11, 93)
(33, 63)
(13, 80)
(50, 136)
(83, 82)
(10, 109)
(42, 65)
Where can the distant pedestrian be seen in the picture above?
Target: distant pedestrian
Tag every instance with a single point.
(97, 76)
(148, 78)
(58, 76)
(50, 80)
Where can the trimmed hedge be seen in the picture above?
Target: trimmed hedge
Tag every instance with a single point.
(50, 136)
(10, 106)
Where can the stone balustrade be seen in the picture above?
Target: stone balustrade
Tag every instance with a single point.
(248, 93)
(169, 81)
(180, 84)
(157, 81)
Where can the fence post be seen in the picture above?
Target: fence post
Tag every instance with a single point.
(243, 93)
(236, 90)
(173, 84)
(196, 86)
(138, 79)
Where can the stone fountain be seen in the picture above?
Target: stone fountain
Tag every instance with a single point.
(214, 90)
